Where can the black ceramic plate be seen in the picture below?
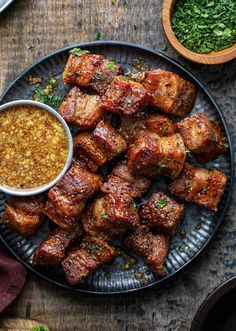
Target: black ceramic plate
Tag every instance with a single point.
(113, 279)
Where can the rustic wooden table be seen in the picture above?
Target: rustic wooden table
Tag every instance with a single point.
(31, 29)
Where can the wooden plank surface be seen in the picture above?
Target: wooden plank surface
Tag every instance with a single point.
(31, 29)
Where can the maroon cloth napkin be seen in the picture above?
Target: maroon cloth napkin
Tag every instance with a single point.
(12, 278)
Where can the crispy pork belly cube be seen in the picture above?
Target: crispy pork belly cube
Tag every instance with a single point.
(90, 255)
(52, 251)
(24, 215)
(142, 156)
(80, 109)
(87, 149)
(169, 92)
(122, 181)
(162, 214)
(152, 247)
(201, 186)
(172, 155)
(125, 97)
(111, 142)
(57, 216)
(90, 70)
(160, 124)
(130, 127)
(202, 136)
(76, 186)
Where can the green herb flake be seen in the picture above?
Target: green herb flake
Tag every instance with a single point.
(161, 203)
(187, 183)
(177, 144)
(38, 328)
(50, 99)
(113, 2)
(129, 101)
(104, 215)
(98, 35)
(188, 152)
(165, 129)
(226, 145)
(78, 52)
(111, 66)
(94, 248)
(162, 165)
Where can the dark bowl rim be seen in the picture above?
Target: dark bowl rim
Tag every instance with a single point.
(212, 298)
(193, 78)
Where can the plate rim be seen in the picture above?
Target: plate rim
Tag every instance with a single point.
(231, 153)
(5, 6)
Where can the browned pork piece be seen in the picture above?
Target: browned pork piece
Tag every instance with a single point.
(90, 70)
(80, 109)
(111, 142)
(73, 189)
(202, 137)
(169, 92)
(160, 124)
(110, 215)
(24, 214)
(152, 247)
(125, 97)
(52, 250)
(162, 214)
(122, 181)
(90, 255)
(131, 126)
(152, 155)
(201, 186)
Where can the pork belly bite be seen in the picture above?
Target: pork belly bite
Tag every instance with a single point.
(169, 92)
(122, 181)
(202, 137)
(74, 188)
(130, 127)
(162, 213)
(125, 97)
(90, 70)
(90, 255)
(52, 251)
(111, 142)
(160, 124)
(152, 247)
(24, 215)
(201, 186)
(80, 109)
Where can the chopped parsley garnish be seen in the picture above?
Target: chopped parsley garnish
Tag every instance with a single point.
(188, 152)
(113, 2)
(162, 165)
(187, 183)
(165, 129)
(129, 101)
(161, 203)
(52, 82)
(50, 99)
(98, 35)
(111, 65)
(78, 52)
(38, 328)
(177, 144)
(226, 145)
(94, 248)
(104, 215)
(78, 73)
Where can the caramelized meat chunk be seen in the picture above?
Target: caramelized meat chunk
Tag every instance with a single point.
(201, 186)
(125, 97)
(90, 70)
(80, 109)
(90, 255)
(52, 250)
(152, 247)
(111, 142)
(169, 92)
(130, 127)
(162, 213)
(74, 188)
(152, 155)
(160, 124)
(122, 181)
(86, 148)
(24, 215)
(202, 137)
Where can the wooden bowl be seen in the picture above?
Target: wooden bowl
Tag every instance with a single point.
(222, 56)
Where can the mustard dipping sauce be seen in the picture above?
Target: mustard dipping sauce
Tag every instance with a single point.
(33, 147)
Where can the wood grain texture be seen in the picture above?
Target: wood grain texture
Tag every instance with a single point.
(31, 29)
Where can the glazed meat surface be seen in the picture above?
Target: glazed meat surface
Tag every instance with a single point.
(74, 188)
(160, 124)
(122, 181)
(202, 137)
(162, 214)
(169, 92)
(24, 214)
(52, 251)
(90, 70)
(152, 247)
(80, 109)
(130, 127)
(125, 97)
(90, 255)
(111, 142)
(199, 185)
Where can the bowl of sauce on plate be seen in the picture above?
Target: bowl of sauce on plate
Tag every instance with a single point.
(35, 147)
